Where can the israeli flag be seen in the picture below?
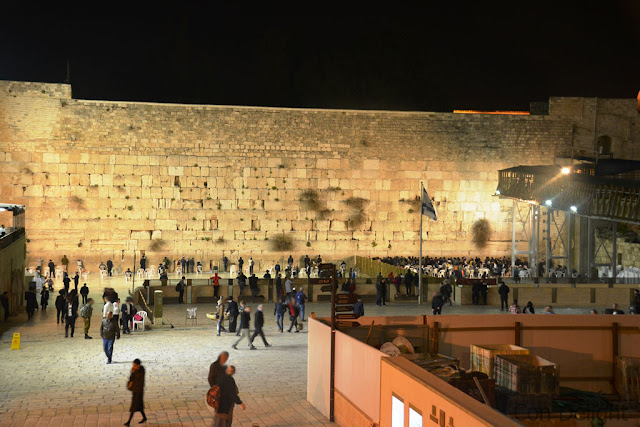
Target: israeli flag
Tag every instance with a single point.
(427, 206)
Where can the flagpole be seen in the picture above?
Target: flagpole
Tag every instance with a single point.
(420, 260)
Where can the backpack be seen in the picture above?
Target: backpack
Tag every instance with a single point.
(179, 286)
(83, 310)
(213, 396)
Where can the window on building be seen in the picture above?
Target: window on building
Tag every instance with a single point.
(415, 417)
(397, 411)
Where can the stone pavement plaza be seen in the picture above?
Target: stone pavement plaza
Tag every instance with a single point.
(56, 381)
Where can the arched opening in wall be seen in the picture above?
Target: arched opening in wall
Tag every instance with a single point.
(604, 145)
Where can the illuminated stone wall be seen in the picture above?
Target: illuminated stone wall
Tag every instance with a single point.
(100, 177)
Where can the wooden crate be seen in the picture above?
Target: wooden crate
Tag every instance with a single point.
(628, 377)
(482, 356)
(526, 374)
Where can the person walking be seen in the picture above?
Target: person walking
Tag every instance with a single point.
(221, 316)
(217, 369)
(279, 311)
(180, 289)
(245, 319)
(86, 311)
(116, 311)
(258, 323)
(109, 331)
(301, 299)
(32, 303)
(109, 267)
(294, 312)
(67, 282)
(504, 290)
(228, 399)
(70, 315)
(76, 280)
(136, 387)
(240, 311)
(44, 299)
(60, 306)
(232, 308)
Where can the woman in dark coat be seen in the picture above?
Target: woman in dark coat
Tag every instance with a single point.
(44, 298)
(136, 386)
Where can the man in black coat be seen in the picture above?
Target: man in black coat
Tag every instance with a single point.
(437, 303)
(253, 287)
(278, 286)
(66, 281)
(475, 293)
(358, 308)
(483, 291)
(408, 282)
(70, 315)
(228, 399)
(258, 324)
(60, 306)
(52, 269)
(245, 320)
(504, 290)
(76, 280)
(232, 308)
(84, 291)
(109, 267)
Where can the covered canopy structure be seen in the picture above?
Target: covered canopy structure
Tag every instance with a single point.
(586, 195)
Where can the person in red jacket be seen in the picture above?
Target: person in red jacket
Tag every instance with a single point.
(215, 281)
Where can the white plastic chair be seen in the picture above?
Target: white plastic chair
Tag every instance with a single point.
(103, 274)
(140, 273)
(198, 269)
(191, 315)
(178, 271)
(85, 274)
(142, 314)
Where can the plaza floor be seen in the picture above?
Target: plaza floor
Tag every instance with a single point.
(53, 380)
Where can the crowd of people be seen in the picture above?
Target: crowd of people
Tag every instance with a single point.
(463, 267)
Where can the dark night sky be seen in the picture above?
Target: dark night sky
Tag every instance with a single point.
(436, 60)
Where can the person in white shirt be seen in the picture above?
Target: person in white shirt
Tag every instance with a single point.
(108, 307)
(3, 231)
(116, 312)
(250, 265)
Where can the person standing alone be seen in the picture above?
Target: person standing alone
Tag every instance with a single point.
(503, 290)
(109, 331)
(86, 312)
(84, 291)
(136, 387)
(180, 289)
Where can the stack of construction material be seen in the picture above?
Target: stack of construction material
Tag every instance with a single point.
(526, 374)
(482, 356)
(628, 377)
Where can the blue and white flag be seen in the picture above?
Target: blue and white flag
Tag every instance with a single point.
(427, 206)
